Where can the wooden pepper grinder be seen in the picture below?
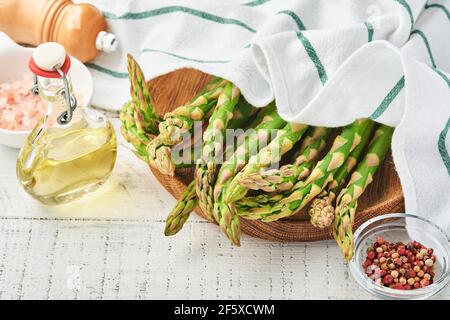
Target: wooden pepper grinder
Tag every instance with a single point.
(80, 28)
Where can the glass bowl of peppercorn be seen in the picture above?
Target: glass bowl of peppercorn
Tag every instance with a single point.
(401, 256)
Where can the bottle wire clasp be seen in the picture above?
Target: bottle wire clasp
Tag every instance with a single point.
(70, 100)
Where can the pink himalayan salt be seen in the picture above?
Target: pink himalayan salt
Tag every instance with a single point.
(19, 108)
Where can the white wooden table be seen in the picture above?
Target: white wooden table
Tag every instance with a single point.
(110, 245)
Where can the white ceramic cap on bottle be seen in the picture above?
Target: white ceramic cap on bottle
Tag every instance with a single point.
(49, 55)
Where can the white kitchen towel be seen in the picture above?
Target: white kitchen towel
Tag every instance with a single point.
(324, 62)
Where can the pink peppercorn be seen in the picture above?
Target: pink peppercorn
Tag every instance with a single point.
(424, 282)
(398, 286)
(367, 263)
(388, 279)
(371, 255)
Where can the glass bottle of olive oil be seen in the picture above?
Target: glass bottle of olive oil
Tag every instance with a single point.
(71, 151)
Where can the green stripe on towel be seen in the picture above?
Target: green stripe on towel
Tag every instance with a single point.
(443, 76)
(443, 148)
(184, 58)
(369, 27)
(427, 44)
(405, 5)
(388, 99)
(295, 17)
(308, 46)
(115, 74)
(438, 6)
(443, 135)
(313, 56)
(255, 3)
(173, 9)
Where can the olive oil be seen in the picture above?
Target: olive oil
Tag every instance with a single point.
(72, 150)
(59, 164)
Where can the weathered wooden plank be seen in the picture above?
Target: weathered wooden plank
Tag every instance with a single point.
(110, 259)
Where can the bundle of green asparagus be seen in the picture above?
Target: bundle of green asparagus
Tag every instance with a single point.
(322, 209)
(180, 121)
(348, 198)
(242, 185)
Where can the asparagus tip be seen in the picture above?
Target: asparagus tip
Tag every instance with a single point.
(321, 212)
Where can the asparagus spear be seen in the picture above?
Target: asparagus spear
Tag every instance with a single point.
(133, 133)
(322, 209)
(266, 120)
(283, 179)
(247, 203)
(138, 117)
(160, 154)
(242, 114)
(348, 198)
(182, 118)
(213, 139)
(272, 153)
(180, 213)
(303, 192)
(144, 113)
(178, 122)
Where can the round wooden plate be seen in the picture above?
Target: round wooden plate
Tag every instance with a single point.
(384, 195)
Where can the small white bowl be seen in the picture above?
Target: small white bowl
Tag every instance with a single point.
(14, 64)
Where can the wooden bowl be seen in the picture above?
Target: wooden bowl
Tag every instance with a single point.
(384, 195)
